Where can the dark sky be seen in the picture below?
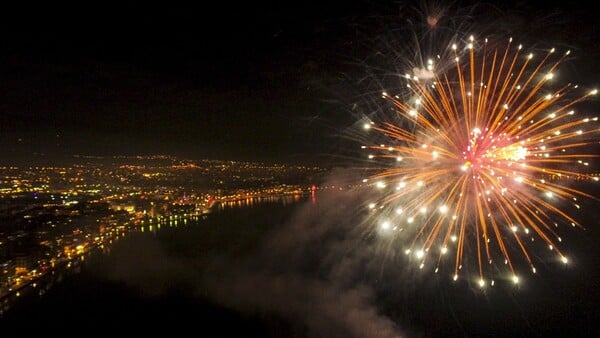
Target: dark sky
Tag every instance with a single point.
(261, 81)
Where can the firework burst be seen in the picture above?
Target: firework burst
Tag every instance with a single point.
(477, 160)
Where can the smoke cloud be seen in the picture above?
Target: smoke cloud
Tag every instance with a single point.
(314, 271)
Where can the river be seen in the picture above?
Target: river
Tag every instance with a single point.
(286, 267)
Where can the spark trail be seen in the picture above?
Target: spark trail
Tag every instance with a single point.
(479, 158)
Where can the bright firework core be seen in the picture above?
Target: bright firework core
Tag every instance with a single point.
(487, 151)
(479, 157)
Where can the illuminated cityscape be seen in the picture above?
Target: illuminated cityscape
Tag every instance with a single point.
(51, 216)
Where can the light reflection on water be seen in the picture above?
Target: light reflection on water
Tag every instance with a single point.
(250, 201)
(40, 286)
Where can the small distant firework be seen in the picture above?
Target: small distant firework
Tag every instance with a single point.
(478, 159)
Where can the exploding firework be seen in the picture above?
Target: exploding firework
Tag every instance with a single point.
(478, 159)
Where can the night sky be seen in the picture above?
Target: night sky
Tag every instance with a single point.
(258, 82)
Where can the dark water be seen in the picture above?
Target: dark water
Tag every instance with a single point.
(269, 270)
(144, 282)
